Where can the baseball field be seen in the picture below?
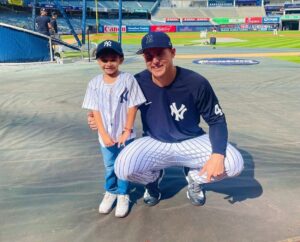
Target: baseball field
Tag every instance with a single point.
(256, 40)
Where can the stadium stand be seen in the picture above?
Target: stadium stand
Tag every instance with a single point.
(274, 9)
(228, 12)
(160, 11)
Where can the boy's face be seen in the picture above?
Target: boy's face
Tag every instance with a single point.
(109, 63)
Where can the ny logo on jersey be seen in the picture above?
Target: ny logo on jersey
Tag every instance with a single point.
(107, 43)
(124, 95)
(178, 112)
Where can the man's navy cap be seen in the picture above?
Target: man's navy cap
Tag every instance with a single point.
(155, 40)
(109, 45)
(43, 10)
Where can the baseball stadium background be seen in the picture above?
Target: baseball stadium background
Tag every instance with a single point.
(134, 18)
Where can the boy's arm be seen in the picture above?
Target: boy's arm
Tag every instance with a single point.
(91, 121)
(101, 130)
(128, 125)
(130, 118)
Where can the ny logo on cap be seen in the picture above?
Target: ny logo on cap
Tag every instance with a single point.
(149, 38)
(107, 43)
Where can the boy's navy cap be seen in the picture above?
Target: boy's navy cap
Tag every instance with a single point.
(109, 45)
(155, 40)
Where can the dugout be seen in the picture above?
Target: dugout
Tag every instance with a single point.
(19, 45)
(290, 22)
(290, 25)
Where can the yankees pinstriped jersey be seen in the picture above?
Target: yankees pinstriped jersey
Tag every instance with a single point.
(113, 101)
(172, 114)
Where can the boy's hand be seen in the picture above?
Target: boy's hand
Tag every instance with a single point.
(107, 140)
(91, 121)
(122, 139)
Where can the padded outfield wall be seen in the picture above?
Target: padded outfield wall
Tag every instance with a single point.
(201, 24)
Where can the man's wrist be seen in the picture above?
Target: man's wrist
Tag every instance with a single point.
(127, 130)
(218, 155)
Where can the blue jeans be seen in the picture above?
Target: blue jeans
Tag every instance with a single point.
(112, 183)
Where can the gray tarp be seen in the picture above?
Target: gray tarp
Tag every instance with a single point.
(51, 176)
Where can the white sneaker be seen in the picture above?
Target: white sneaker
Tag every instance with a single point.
(122, 206)
(107, 203)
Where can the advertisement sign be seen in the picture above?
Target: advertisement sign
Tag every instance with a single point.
(193, 28)
(229, 27)
(221, 20)
(195, 19)
(290, 17)
(163, 28)
(253, 20)
(271, 20)
(137, 29)
(100, 29)
(113, 29)
(247, 27)
(236, 20)
(172, 20)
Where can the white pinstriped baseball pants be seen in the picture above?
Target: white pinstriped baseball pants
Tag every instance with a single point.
(142, 159)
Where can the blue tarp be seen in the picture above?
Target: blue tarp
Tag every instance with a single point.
(17, 46)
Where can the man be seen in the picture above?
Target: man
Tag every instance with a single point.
(43, 25)
(176, 99)
(53, 23)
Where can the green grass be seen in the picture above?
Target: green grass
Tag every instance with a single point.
(295, 59)
(284, 39)
(266, 40)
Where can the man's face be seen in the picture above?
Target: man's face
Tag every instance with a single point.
(159, 61)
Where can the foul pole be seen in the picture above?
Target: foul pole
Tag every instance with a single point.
(120, 22)
(83, 23)
(96, 9)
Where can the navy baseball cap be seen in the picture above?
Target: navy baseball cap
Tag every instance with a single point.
(109, 46)
(155, 40)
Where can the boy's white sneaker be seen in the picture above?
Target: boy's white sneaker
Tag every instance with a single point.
(107, 203)
(122, 206)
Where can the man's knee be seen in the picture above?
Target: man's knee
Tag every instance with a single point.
(122, 171)
(234, 164)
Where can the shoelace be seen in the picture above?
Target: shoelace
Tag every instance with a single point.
(195, 187)
(124, 197)
(108, 195)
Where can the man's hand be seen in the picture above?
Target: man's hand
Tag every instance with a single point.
(213, 167)
(122, 139)
(91, 121)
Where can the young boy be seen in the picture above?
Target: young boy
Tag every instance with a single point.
(114, 97)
